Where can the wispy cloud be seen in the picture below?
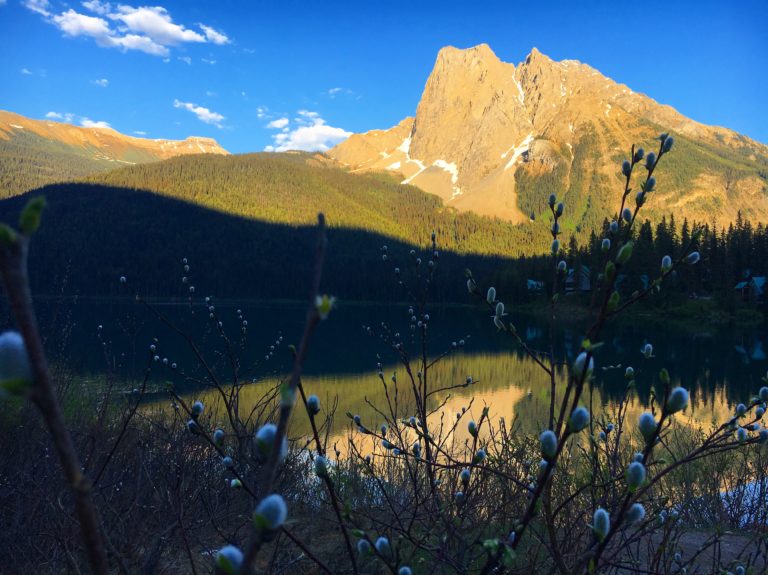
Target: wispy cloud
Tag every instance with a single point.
(39, 6)
(88, 123)
(214, 36)
(25, 72)
(278, 124)
(62, 116)
(333, 93)
(311, 134)
(139, 133)
(186, 59)
(70, 118)
(97, 7)
(102, 82)
(203, 114)
(148, 29)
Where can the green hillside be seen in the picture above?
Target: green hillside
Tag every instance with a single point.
(589, 181)
(293, 188)
(245, 224)
(29, 161)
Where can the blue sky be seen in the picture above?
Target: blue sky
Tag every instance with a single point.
(303, 74)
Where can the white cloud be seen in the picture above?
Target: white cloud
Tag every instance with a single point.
(139, 133)
(312, 135)
(64, 117)
(306, 117)
(75, 24)
(186, 59)
(88, 123)
(155, 22)
(214, 36)
(278, 124)
(2, 2)
(262, 112)
(70, 118)
(207, 61)
(102, 82)
(148, 29)
(26, 71)
(203, 114)
(141, 44)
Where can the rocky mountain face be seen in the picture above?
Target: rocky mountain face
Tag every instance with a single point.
(38, 152)
(496, 139)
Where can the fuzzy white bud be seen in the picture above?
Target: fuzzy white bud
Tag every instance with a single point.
(271, 513)
(229, 559)
(636, 474)
(601, 523)
(15, 368)
(548, 441)
(678, 400)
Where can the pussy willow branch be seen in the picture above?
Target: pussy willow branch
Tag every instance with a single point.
(314, 558)
(233, 421)
(576, 384)
(15, 280)
(328, 481)
(602, 317)
(518, 340)
(126, 423)
(269, 471)
(707, 448)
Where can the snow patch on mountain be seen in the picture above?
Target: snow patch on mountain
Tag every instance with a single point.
(517, 151)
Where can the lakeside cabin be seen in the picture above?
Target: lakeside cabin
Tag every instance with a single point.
(578, 280)
(752, 289)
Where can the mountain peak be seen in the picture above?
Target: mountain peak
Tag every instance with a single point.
(535, 57)
(478, 53)
(490, 137)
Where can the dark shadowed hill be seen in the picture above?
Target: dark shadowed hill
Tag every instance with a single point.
(92, 234)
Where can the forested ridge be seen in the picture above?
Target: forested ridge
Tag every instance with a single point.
(245, 223)
(293, 188)
(28, 161)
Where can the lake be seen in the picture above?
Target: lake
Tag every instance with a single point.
(720, 366)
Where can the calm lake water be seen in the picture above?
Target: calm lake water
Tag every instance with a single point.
(721, 367)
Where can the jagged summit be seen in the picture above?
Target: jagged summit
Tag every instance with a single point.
(497, 138)
(452, 54)
(535, 54)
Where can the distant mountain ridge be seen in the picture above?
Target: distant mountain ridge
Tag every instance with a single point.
(37, 152)
(496, 139)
